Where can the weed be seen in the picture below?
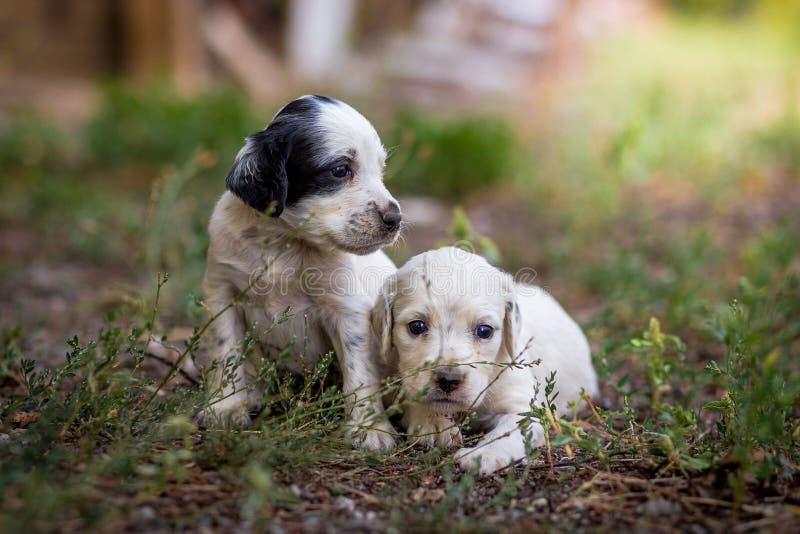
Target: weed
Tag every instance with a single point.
(464, 237)
(760, 375)
(654, 345)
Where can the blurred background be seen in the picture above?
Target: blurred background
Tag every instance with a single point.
(641, 155)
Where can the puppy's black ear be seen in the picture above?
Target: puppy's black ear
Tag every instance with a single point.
(258, 175)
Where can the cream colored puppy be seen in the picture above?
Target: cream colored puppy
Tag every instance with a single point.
(449, 324)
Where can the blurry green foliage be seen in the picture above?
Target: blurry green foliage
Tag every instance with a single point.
(656, 276)
(768, 255)
(29, 140)
(450, 158)
(85, 188)
(175, 238)
(780, 143)
(155, 125)
(716, 7)
(778, 10)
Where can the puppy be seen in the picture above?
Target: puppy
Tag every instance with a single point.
(449, 324)
(300, 228)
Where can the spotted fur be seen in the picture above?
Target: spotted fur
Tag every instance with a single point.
(290, 232)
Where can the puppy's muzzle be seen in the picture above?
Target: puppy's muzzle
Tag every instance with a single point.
(448, 379)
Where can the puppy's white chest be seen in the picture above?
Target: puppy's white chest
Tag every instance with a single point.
(295, 337)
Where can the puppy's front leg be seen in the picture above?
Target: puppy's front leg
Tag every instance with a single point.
(361, 380)
(222, 357)
(429, 428)
(502, 446)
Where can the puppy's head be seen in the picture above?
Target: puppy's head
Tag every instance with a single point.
(319, 166)
(441, 322)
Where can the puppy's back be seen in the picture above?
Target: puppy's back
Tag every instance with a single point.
(558, 341)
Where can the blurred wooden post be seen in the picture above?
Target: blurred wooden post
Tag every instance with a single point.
(147, 47)
(163, 39)
(189, 65)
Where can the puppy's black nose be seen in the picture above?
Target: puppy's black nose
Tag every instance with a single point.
(448, 379)
(391, 216)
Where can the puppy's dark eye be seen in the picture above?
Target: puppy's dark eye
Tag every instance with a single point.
(417, 328)
(340, 171)
(484, 331)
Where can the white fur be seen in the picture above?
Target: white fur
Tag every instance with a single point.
(304, 260)
(453, 292)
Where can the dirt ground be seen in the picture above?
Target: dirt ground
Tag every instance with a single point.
(625, 495)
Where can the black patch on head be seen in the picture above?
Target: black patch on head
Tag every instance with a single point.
(285, 161)
(326, 99)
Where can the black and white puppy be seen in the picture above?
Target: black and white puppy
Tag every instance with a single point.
(301, 226)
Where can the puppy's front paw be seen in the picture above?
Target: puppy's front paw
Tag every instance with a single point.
(378, 437)
(236, 418)
(490, 458)
(449, 436)
(431, 429)
(227, 412)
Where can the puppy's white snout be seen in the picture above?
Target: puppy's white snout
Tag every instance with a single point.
(448, 379)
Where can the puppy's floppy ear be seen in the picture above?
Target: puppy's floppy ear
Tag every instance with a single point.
(258, 175)
(511, 322)
(382, 320)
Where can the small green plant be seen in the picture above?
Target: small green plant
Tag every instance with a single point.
(544, 413)
(465, 238)
(654, 346)
(760, 373)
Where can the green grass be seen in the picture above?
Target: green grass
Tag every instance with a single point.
(661, 208)
(450, 158)
(154, 126)
(102, 431)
